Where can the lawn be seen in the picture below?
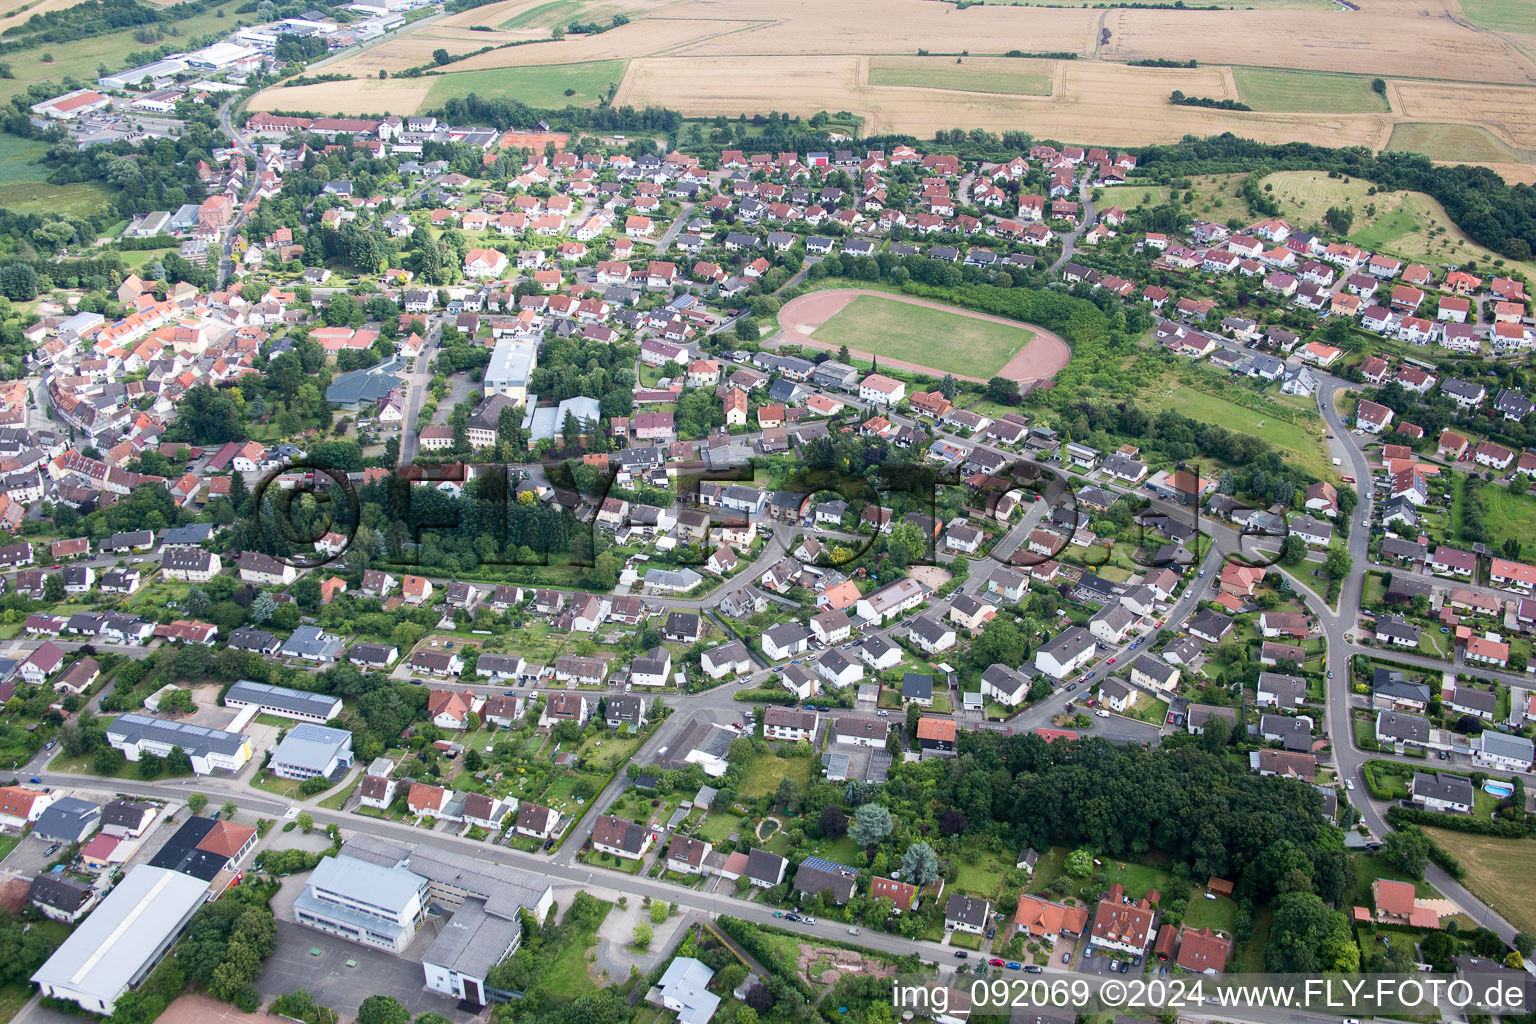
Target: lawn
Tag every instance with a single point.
(943, 73)
(717, 827)
(1497, 872)
(17, 156)
(1137, 878)
(1370, 867)
(1297, 435)
(1508, 515)
(984, 877)
(536, 86)
(900, 330)
(1217, 914)
(1408, 224)
(1307, 92)
(764, 774)
(288, 789)
(566, 975)
(1129, 197)
(1251, 958)
(7, 844)
(1501, 15)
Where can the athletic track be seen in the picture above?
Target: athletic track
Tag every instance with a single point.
(1040, 358)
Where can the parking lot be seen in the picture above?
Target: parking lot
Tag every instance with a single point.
(343, 974)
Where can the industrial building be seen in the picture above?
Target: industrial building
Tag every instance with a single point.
(121, 941)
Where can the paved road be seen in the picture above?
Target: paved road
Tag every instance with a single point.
(1069, 240)
(253, 166)
(416, 393)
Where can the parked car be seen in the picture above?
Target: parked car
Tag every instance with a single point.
(791, 917)
(997, 961)
(961, 954)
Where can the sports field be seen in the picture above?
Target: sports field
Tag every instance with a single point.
(1306, 92)
(954, 342)
(1497, 870)
(1009, 77)
(535, 86)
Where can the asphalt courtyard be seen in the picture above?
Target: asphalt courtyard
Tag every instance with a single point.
(344, 973)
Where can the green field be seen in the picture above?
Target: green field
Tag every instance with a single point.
(1129, 197)
(1508, 515)
(1301, 440)
(81, 58)
(1307, 92)
(1408, 224)
(1501, 15)
(535, 86)
(556, 12)
(17, 156)
(76, 200)
(900, 330)
(1496, 872)
(1455, 142)
(954, 78)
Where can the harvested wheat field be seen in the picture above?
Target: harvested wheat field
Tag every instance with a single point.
(887, 27)
(360, 96)
(1509, 111)
(16, 12)
(1108, 103)
(1356, 42)
(976, 74)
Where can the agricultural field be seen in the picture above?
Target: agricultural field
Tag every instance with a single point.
(1505, 110)
(887, 328)
(1010, 77)
(1410, 224)
(1404, 41)
(1307, 92)
(1460, 142)
(1496, 870)
(545, 15)
(536, 86)
(1501, 15)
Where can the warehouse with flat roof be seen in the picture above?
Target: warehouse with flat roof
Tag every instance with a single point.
(283, 701)
(121, 941)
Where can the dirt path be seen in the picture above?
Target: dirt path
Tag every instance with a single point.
(1041, 358)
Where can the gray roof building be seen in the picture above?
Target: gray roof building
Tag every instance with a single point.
(115, 947)
(68, 819)
(309, 751)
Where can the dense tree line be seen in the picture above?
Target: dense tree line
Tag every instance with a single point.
(1266, 834)
(1494, 213)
